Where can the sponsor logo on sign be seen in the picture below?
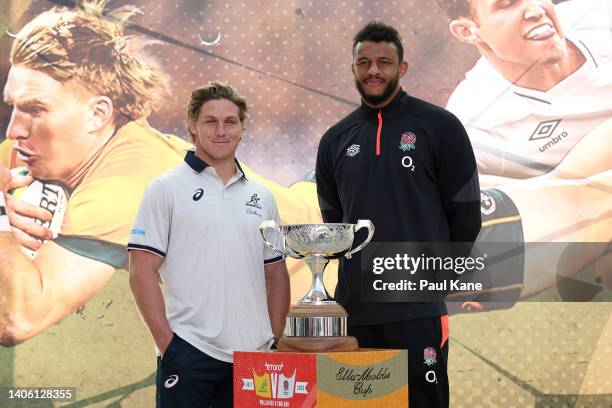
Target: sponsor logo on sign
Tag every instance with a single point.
(275, 385)
(407, 141)
(198, 194)
(353, 150)
(429, 354)
(262, 385)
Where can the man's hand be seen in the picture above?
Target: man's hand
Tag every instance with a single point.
(5, 177)
(163, 343)
(22, 215)
(278, 294)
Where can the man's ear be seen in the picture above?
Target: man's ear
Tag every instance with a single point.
(191, 127)
(101, 108)
(465, 30)
(403, 68)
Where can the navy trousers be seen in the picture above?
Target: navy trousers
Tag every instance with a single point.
(189, 378)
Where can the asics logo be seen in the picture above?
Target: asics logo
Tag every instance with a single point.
(198, 194)
(171, 381)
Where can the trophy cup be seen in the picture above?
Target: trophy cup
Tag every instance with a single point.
(317, 323)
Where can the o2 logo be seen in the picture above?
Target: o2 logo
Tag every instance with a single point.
(407, 163)
(430, 377)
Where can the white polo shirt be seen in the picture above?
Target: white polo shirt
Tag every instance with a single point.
(214, 256)
(518, 132)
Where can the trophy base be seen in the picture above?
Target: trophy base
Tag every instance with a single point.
(317, 327)
(317, 344)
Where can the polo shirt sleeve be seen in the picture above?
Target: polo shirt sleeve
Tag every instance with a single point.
(276, 239)
(152, 226)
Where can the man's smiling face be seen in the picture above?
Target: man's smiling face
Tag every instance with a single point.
(520, 32)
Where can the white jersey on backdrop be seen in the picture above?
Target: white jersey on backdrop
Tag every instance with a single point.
(518, 132)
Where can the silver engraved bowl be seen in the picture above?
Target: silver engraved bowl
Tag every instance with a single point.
(318, 239)
(327, 240)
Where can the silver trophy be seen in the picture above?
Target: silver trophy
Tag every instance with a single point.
(317, 322)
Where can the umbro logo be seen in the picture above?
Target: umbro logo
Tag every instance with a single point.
(198, 194)
(545, 129)
(353, 150)
(171, 381)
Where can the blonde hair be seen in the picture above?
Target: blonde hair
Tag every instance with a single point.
(87, 45)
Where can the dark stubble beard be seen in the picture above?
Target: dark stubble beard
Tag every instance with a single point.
(377, 99)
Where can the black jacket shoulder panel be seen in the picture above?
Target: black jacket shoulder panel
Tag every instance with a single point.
(352, 119)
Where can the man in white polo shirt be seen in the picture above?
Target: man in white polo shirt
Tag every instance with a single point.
(198, 227)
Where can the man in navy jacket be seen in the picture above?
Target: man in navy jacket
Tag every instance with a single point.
(407, 166)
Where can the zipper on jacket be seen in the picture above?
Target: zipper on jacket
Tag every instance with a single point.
(378, 132)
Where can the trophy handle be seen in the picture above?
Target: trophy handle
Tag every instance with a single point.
(360, 224)
(271, 224)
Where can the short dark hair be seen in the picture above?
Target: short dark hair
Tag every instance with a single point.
(210, 91)
(455, 9)
(377, 31)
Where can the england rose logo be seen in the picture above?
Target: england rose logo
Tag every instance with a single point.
(430, 356)
(407, 141)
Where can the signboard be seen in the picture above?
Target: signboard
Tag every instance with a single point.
(363, 378)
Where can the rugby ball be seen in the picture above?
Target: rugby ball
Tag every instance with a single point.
(49, 196)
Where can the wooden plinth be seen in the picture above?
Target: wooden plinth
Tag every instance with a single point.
(317, 344)
(325, 310)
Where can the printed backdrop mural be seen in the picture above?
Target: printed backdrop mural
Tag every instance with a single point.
(291, 60)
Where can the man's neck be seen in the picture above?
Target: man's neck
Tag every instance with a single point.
(225, 168)
(541, 75)
(102, 138)
(383, 103)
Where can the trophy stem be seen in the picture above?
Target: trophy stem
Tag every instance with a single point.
(317, 293)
